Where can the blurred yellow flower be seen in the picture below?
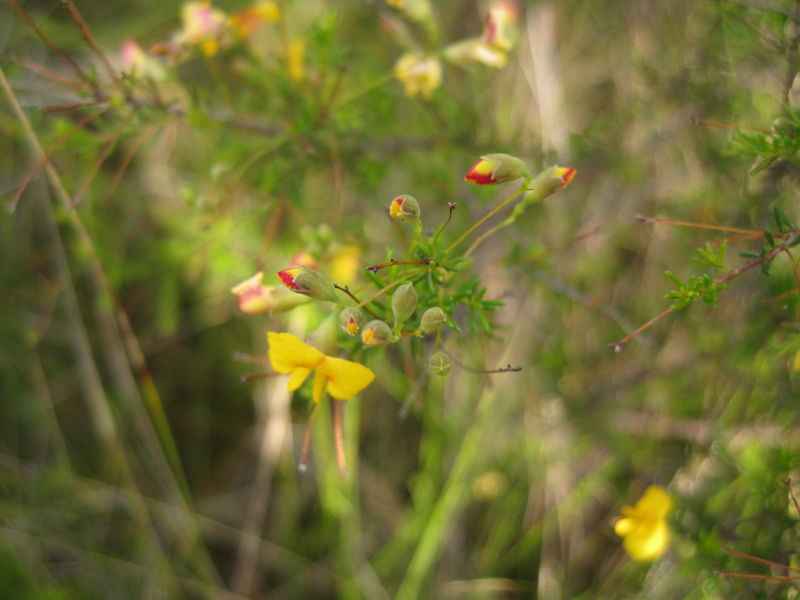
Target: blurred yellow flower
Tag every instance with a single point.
(294, 59)
(345, 264)
(342, 378)
(418, 74)
(203, 26)
(643, 527)
(247, 21)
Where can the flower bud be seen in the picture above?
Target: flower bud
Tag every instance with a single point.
(308, 282)
(440, 364)
(550, 181)
(253, 297)
(432, 319)
(404, 208)
(496, 168)
(404, 303)
(350, 320)
(376, 333)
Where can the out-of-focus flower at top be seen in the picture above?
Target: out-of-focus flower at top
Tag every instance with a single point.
(344, 264)
(342, 378)
(304, 258)
(203, 26)
(496, 168)
(643, 526)
(253, 297)
(499, 29)
(418, 10)
(137, 62)
(492, 46)
(420, 75)
(476, 50)
(246, 22)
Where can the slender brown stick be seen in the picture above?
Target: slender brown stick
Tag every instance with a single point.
(707, 123)
(89, 39)
(763, 561)
(346, 290)
(45, 159)
(69, 60)
(749, 232)
(302, 466)
(95, 170)
(385, 289)
(617, 346)
(48, 73)
(753, 576)
(393, 263)
(338, 439)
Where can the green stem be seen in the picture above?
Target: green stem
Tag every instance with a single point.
(488, 216)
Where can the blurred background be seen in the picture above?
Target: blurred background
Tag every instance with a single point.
(136, 463)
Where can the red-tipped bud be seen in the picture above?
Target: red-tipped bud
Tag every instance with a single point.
(404, 208)
(548, 182)
(350, 320)
(496, 168)
(308, 282)
(253, 297)
(376, 333)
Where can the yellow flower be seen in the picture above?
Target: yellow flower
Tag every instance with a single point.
(418, 74)
(342, 378)
(643, 527)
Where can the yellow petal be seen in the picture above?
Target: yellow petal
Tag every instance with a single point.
(656, 502)
(345, 378)
(297, 378)
(647, 541)
(319, 386)
(287, 352)
(623, 527)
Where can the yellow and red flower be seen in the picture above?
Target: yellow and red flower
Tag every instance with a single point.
(496, 168)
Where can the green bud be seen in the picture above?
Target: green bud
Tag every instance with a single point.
(404, 208)
(404, 303)
(308, 282)
(350, 320)
(440, 364)
(432, 319)
(376, 333)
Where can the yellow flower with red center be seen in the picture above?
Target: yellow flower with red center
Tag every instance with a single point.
(341, 378)
(404, 208)
(643, 526)
(419, 75)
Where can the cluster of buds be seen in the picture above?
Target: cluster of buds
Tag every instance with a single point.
(303, 282)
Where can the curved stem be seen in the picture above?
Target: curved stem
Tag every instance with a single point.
(486, 217)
